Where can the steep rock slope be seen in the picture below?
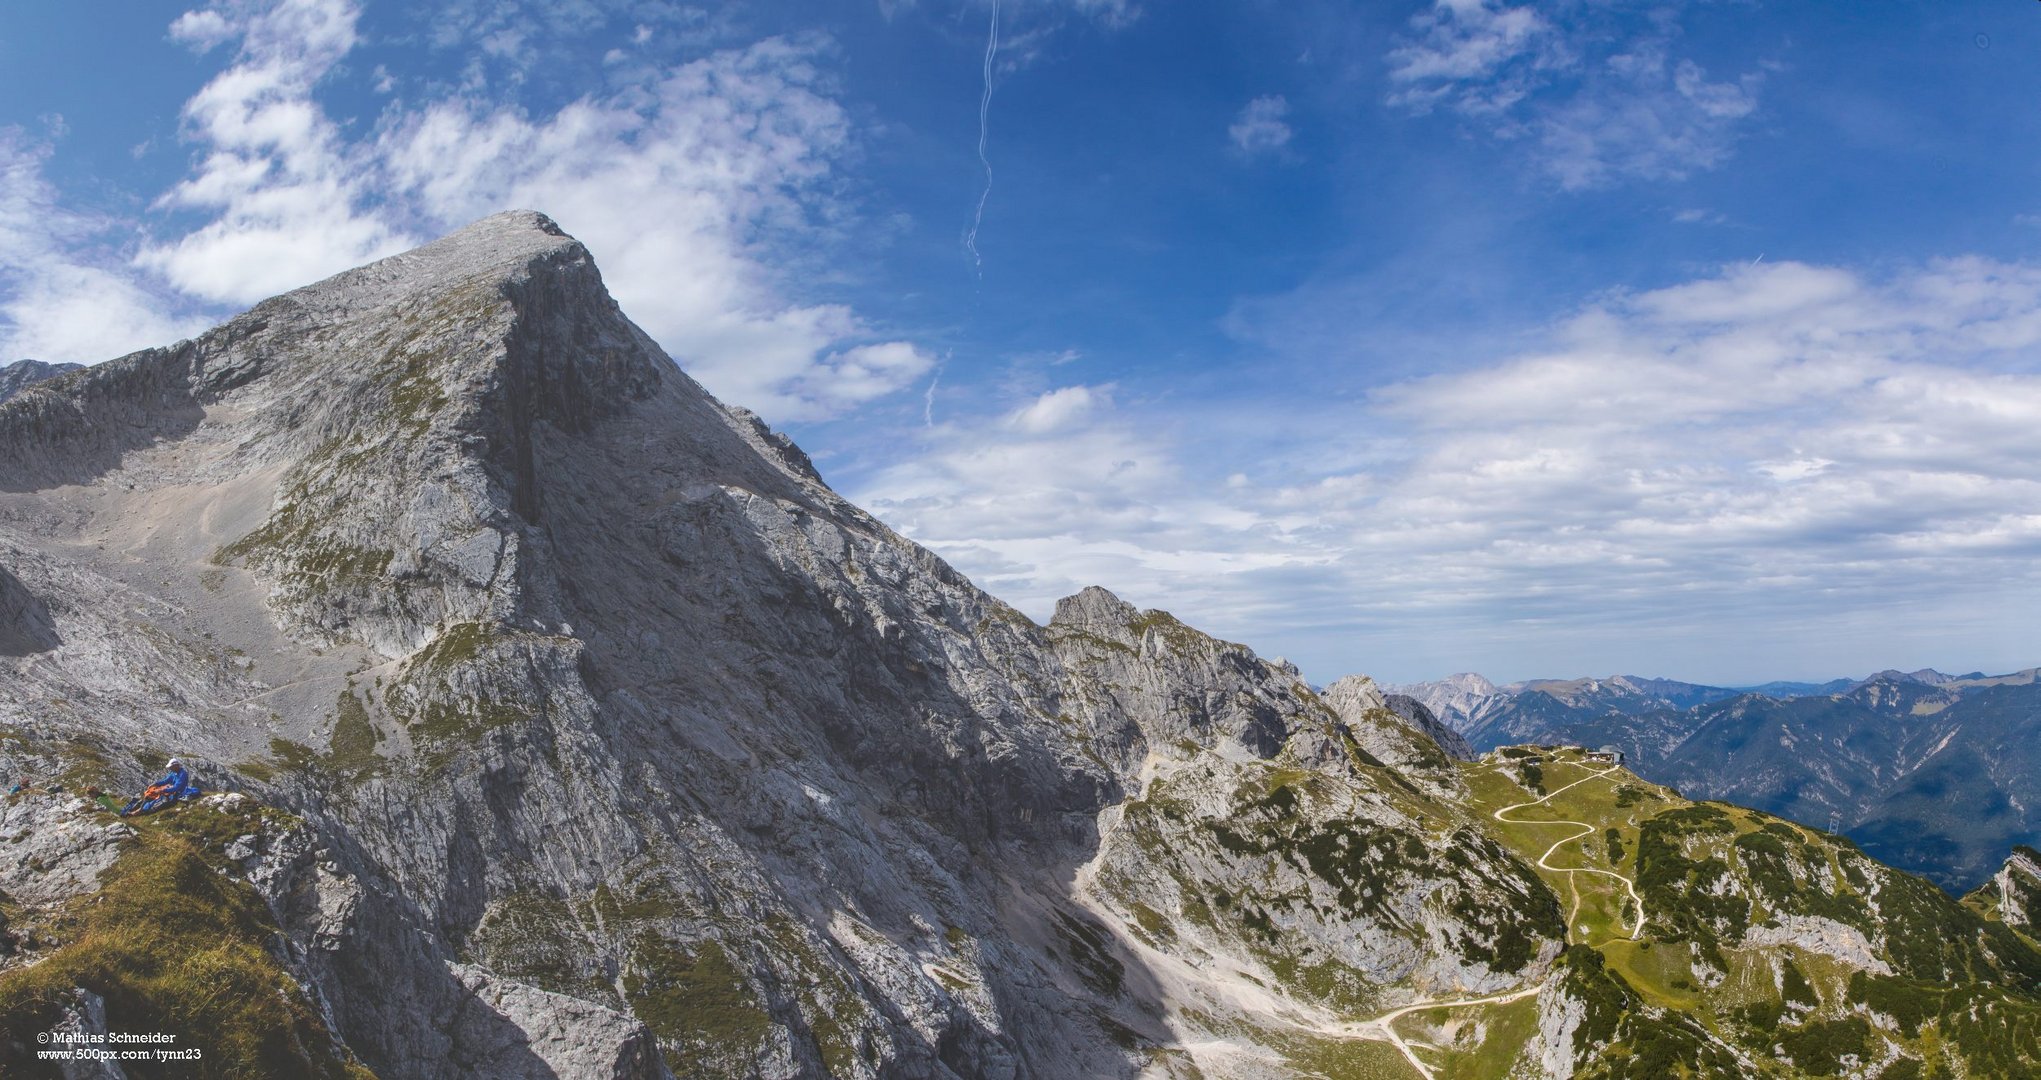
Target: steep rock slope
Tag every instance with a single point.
(22, 374)
(1357, 697)
(590, 691)
(2013, 895)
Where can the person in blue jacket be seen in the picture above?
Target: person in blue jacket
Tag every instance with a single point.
(176, 784)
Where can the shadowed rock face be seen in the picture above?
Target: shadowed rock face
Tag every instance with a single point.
(24, 620)
(626, 746)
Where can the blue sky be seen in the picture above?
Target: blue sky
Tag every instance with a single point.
(1690, 339)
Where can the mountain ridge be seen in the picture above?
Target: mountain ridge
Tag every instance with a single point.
(351, 537)
(1927, 770)
(22, 374)
(574, 727)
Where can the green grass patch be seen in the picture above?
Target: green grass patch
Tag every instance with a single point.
(701, 1008)
(174, 946)
(1340, 1059)
(1481, 1041)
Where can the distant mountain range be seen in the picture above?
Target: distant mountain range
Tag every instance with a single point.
(1935, 773)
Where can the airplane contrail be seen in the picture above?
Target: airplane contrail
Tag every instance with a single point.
(928, 398)
(984, 132)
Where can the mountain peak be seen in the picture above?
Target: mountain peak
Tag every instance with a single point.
(497, 253)
(1091, 607)
(509, 309)
(22, 374)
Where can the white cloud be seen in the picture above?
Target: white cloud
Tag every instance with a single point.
(1461, 45)
(1591, 115)
(1644, 124)
(695, 184)
(202, 30)
(682, 187)
(65, 295)
(1067, 490)
(1772, 461)
(290, 197)
(1061, 466)
(1059, 409)
(846, 379)
(1260, 127)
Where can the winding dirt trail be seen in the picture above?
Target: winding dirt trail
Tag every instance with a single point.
(1636, 901)
(1251, 998)
(1383, 1028)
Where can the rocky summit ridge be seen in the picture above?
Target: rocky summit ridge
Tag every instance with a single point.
(576, 728)
(22, 374)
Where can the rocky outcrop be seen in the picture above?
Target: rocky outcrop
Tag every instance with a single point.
(22, 374)
(1268, 840)
(55, 851)
(25, 625)
(2014, 893)
(1418, 716)
(1846, 945)
(1557, 1045)
(518, 1032)
(1399, 732)
(81, 1026)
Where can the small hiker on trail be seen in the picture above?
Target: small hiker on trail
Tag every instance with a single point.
(176, 784)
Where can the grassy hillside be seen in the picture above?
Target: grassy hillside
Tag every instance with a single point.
(175, 943)
(1784, 944)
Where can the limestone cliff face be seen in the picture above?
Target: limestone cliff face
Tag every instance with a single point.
(627, 747)
(24, 619)
(2014, 893)
(1402, 730)
(22, 374)
(1266, 846)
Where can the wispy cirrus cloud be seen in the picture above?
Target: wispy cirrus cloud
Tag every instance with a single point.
(1762, 455)
(66, 291)
(1111, 13)
(1475, 56)
(291, 199)
(1596, 95)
